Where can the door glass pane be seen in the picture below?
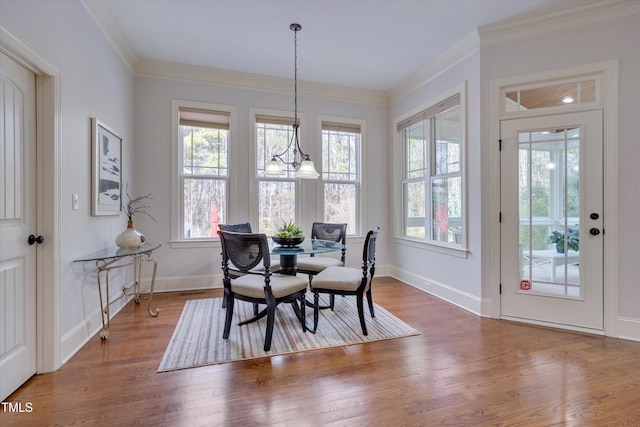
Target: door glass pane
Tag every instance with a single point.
(549, 205)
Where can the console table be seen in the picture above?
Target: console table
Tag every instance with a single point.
(107, 260)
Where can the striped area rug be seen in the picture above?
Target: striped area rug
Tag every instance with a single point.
(197, 339)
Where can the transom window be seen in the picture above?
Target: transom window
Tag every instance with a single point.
(432, 181)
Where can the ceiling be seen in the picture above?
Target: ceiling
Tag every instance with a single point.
(366, 44)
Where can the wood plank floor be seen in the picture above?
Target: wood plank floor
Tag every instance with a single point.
(461, 370)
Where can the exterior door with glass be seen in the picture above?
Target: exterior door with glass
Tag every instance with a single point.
(551, 226)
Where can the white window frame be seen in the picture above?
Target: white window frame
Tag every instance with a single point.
(177, 236)
(360, 167)
(399, 165)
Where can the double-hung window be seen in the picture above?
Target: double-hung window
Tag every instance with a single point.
(341, 144)
(432, 180)
(276, 195)
(203, 141)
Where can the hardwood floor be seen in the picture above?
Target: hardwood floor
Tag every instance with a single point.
(461, 370)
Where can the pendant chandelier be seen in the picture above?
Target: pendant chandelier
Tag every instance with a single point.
(301, 162)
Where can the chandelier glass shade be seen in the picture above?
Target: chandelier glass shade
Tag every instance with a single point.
(302, 163)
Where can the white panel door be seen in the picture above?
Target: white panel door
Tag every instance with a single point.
(551, 231)
(17, 222)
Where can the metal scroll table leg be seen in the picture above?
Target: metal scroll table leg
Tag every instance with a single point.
(155, 312)
(104, 308)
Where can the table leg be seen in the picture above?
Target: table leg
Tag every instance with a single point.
(155, 312)
(288, 264)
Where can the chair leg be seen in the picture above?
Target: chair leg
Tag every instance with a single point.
(360, 300)
(316, 310)
(332, 301)
(229, 315)
(303, 304)
(271, 318)
(370, 300)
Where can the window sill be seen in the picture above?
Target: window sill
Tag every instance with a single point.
(433, 247)
(189, 244)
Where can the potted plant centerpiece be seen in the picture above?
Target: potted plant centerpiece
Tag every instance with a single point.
(558, 238)
(131, 238)
(289, 234)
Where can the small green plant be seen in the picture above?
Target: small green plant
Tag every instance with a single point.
(288, 230)
(557, 238)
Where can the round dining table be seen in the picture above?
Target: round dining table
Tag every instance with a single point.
(289, 254)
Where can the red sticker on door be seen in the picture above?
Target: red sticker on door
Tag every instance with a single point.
(525, 285)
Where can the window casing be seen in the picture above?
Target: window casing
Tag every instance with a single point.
(433, 174)
(341, 172)
(202, 145)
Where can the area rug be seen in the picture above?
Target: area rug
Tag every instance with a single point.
(197, 339)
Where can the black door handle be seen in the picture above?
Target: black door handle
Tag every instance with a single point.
(33, 239)
(594, 231)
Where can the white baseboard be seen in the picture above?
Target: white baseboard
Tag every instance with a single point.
(76, 338)
(629, 329)
(173, 284)
(445, 292)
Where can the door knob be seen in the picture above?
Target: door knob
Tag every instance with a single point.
(33, 239)
(594, 231)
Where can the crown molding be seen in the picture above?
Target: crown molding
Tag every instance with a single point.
(458, 52)
(111, 31)
(553, 20)
(219, 77)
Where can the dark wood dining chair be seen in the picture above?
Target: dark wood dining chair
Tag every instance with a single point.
(245, 227)
(246, 251)
(312, 265)
(349, 281)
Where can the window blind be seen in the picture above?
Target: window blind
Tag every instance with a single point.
(341, 127)
(204, 118)
(275, 120)
(430, 112)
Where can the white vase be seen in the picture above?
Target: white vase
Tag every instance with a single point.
(130, 238)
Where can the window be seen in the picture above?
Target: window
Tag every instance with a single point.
(341, 173)
(432, 177)
(203, 141)
(556, 95)
(276, 195)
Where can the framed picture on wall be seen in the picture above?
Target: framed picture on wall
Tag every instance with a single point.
(106, 171)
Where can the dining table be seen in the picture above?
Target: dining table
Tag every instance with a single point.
(289, 254)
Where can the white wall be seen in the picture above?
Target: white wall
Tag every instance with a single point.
(153, 163)
(94, 83)
(616, 40)
(452, 277)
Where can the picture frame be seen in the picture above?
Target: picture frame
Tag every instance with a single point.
(106, 171)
